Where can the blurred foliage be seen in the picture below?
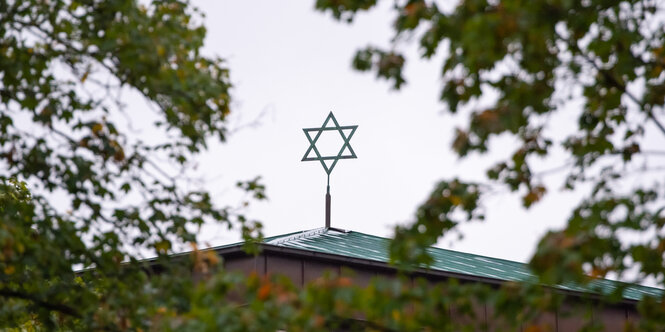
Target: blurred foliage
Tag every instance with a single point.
(598, 63)
(83, 196)
(83, 200)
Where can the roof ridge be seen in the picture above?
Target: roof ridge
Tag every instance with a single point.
(295, 236)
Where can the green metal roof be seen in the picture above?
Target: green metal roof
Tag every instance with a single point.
(370, 247)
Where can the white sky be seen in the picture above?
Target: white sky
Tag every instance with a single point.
(291, 66)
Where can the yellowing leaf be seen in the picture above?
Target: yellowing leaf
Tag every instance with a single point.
(533, 328)
(85, 76)
(96, 128)
(455, 200)
(396, 315)
(212, 257)
(162, 246)
(10, 269)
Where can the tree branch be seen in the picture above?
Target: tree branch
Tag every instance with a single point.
(65, 309)
(612, 80)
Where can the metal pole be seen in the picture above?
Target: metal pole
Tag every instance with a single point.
(328, 207)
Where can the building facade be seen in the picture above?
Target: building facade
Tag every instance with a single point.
(306, 256)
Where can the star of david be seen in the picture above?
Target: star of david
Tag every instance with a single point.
(346, 152)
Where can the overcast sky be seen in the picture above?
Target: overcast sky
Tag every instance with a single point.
(291, 66)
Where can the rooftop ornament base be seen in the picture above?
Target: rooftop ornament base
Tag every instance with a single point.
(346, 152)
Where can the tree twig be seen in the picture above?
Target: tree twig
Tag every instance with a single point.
(612, 80)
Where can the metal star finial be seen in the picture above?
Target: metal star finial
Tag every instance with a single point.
(340, 155)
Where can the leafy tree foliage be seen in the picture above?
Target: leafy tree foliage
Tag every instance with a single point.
(98, 198)
(82, 198)
(530, 61)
